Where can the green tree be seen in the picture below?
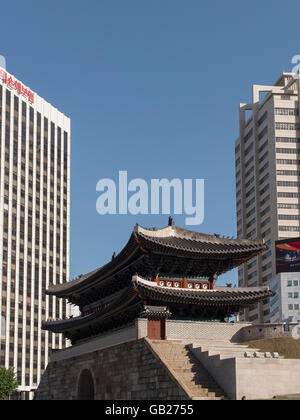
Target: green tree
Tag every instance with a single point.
(8, 383)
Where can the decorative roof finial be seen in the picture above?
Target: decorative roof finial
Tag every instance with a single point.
(113, 256)
(171, 221)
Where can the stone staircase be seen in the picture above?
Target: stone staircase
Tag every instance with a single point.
(224, 349)
(187, 370)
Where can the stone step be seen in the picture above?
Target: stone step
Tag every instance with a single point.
(221, 349)
(192, 370)
(227, 354)
(217, 344)
(204, 389)
(188, 369)
(198, 380)
(177, 355)
(201, 384)
(205, 394)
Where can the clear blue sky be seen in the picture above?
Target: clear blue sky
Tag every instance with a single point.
(152, 87)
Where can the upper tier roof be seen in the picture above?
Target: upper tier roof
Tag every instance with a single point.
(182, 251)
(175, 238)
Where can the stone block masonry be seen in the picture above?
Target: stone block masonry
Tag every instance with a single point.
(127, 371)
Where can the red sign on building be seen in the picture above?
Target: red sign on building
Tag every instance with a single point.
(16, 85)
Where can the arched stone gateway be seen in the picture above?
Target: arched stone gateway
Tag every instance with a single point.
(86, 389)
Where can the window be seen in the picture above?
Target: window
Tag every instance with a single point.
(288, 195)
(264, 212)
(263, 190)
(265, 200)
(248, 135)
(263, 146)
(288, 184)
(252, 275)
(264, 168)
(250, 161)
(253, 221)
(267, 278)
(267, 221)
(267, 266)
(263, 157)
(263, 118)
(250, 182)
(286, 126)
(250, 202)
(267, 255)
(251, 212)
(263, 133)
(286, 111)
(249, 172)
(252, 233)
(250, 192)
(287, 151)
(288, 173)
(264, 179)
(289, 228)
(288, 217)
(252, 264)
(287, 139)
(288, 162)
(266, 233)
(249, 149)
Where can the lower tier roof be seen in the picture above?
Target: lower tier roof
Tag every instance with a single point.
(222, 301)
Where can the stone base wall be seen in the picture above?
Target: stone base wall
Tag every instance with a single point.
(196, 330)
(127, 371)
(263, 331)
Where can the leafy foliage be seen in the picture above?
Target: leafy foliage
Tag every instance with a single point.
(8, 383)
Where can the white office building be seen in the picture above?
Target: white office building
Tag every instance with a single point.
(34, 227)
(285, 306)
(267, 158)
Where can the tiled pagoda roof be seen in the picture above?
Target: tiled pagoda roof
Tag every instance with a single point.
(184, 253)
(130, 303)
